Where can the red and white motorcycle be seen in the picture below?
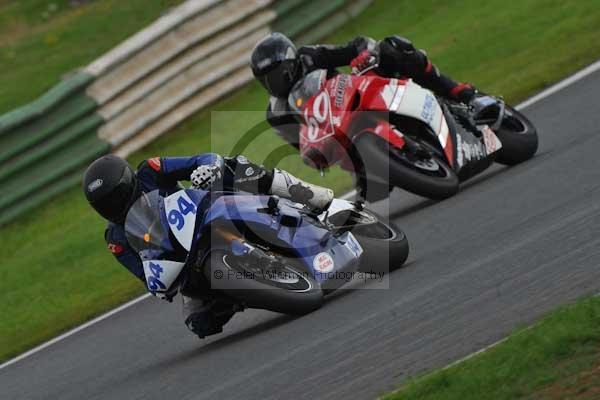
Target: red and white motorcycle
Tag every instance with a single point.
(393, 132)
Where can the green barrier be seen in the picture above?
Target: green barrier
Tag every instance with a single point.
(41, 175)
(88, 125)
(39, 129)
(285, 7)
(45, 141)
(45, 144)
(41, 106)
(39, 197)
(301, 19)
(329, 25)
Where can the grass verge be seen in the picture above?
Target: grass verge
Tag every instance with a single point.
(56, 272)
(40, 40)
(558, 358)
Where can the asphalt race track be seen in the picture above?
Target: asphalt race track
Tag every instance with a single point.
(514, 244)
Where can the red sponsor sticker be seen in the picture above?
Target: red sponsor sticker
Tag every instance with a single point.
(115, 248)
(323, 262)
(154, 163)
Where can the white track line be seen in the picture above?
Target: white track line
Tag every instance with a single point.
(75, 330)
(561, 85)
(542, 95)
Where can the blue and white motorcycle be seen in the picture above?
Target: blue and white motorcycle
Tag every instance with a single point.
(258, 251)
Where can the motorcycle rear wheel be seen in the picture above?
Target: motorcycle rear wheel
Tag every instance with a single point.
(432, 178)
(518, 136)
(292, 291)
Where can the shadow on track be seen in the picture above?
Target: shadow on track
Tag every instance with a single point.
(216, 345)
(353, 287)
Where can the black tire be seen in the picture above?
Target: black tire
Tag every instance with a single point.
(518, 136)
(380, 161)
(258, 293)
(385, 246)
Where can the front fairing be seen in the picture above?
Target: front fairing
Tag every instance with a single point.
(290, 228)
(170, 232)
(304, 89)
(160, 230)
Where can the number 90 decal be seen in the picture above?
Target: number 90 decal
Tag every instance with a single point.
(320, 114)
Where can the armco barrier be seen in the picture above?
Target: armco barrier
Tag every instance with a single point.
(309, 24)
(186, 60)
(44, 105)
(45, 143)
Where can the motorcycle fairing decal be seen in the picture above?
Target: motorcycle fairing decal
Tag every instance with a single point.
(181, 215)
(352, 244)
(490, 140)
(343, 258)
(389, 133)
(392, 94)
(339, 86)
(469, 148)
(319, 118)
(160, 274)
(419, 103)
(323, 263)
(446, 141)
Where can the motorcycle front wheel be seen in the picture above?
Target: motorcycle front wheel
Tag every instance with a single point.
(518, 137)
(286, 287)
(430, 177)
(385, 246)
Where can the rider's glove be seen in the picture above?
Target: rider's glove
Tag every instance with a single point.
(204, 176)
(363, 61)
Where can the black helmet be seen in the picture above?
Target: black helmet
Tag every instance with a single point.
(275, 64)
(111, 187)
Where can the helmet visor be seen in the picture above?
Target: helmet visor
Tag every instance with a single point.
(279, 79)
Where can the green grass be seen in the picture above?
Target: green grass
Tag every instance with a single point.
(41, 40)
(56, 271)
(550, 360)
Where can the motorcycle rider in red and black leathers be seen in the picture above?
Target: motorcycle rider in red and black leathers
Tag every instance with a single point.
(278, 66)
(111, 187)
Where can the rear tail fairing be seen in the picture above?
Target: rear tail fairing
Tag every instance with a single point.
(406, 99)
(448, 125)
(288, 230)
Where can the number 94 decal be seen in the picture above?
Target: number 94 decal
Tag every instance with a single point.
(160, 274)
(177, 216)
(181, 215)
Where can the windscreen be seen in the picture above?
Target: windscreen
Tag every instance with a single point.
(306, 88)
(146, 227)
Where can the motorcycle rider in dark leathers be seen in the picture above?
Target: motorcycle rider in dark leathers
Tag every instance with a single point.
(111, 187)
(278, 66)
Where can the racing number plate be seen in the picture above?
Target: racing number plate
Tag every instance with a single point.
(353, 245)
(181, 215)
